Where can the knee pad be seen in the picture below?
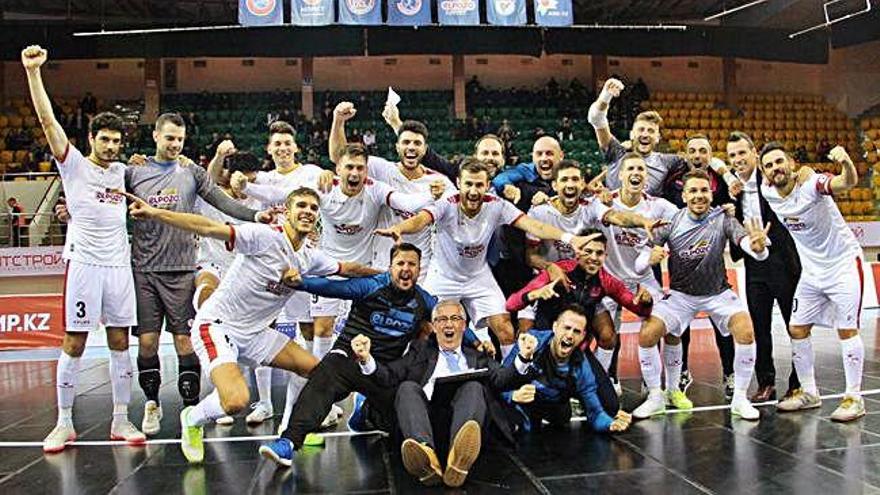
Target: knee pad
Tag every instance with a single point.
(149, 376)
(189, 379)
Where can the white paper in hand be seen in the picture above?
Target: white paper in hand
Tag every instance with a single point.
(393, 97)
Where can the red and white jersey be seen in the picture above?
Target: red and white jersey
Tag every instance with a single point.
(96, 233)
(462, 241)
(388, 172)
(625, 244)
(823, 239)
(213, 250)
(588, 214)
(305, 175)
(251, 294)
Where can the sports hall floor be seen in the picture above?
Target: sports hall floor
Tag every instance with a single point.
(700, 452)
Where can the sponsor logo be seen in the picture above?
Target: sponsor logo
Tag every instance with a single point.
(545, 6)
(394, 323)
(409, 7)
(25, 322)
(471, 251)
(261, 7)
(403, 213)
(564, 249)
(624, 238)
(313, 3)
(343, 229)
(698, 250)
(794, 224)
(31, 260)
(110, 198)
(504, 7)
(360, 7)
(278, 288)
(167, 198)
(458, 7)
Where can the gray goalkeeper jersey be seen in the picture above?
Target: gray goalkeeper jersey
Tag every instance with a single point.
(157, 247)
(660, 167)
(696, 250)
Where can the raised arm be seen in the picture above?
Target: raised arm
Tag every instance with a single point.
(33, 57)
(848, 176)
(598, 113)
(215, 167)
(264, 193)
(343, 112)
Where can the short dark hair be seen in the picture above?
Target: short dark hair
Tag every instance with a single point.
(590, 231)
(405, 247)
(473, 166)
(354, 150)
(106, 121)
(302, 191)
(737, 136)
(574, 308)
(414, 126)
(566, 165)
(281, 127)
(172, 117)
(489, 136)
(695, 174)
(771, 146)
(242, 161)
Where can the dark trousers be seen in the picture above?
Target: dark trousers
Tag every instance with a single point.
(761, 295)
(420, 419)
(724, 344)
(332, 380)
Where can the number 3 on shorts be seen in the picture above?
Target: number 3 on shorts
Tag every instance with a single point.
(80, 309)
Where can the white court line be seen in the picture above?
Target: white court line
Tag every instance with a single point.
(171, 441)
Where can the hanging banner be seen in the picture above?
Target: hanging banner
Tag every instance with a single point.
(554, 13)
(458, 12)
(260, 12)
(31, 261)
(28, 322)
(506, 12)
(409, 12)
(363, 12)
(311, 12)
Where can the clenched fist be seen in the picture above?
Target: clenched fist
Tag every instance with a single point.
(33, 57)
(360, 346)
(524, 394)
(344, 111)
(613, 87)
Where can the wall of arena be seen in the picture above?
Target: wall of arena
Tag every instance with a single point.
(848, 81)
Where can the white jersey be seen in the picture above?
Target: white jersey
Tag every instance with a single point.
(587, 214)
(214, 250)
(823, 239)
(348, 222)
(305, 175)
(388, 172)
(96, 232)
(251, 295)
(626, 244)
(462, 241)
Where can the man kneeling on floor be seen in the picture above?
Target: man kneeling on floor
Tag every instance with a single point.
(563, 374)
(464, 415)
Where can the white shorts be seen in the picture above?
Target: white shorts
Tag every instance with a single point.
(296, 309)
(96, 294)
(481, 296)
(327, 307)
(834, 301)
(633, 286)
(678, 309)
(212, 267)
(218, 343)
(528, 312)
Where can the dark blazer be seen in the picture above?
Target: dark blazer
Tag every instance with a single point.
(418, 365)
(783, 260)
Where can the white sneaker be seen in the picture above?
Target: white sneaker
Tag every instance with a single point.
(122, 429)
(225, 420)
(152, 416)
(58, 438)
(261, 412)
(617, 388)
(851, 407)
(744, 409)
(654, 404)
(332, 418)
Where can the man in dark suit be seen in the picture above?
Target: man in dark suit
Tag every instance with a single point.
(463, 416)
(772, 279)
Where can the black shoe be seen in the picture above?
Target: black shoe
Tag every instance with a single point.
(728, 386)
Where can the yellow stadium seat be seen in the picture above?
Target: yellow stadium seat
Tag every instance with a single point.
(44, 167)
(15, 121)
(6, 156)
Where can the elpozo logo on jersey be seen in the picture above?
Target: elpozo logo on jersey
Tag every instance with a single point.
(409, 7)
(167, 198)
(458, 7)
(109, 197)
(698, 250)
(260, 8)
(504, 7)
(360, 7)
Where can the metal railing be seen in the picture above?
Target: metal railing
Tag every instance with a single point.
(53, 236)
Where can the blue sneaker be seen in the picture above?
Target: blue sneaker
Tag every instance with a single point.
(280, 451)
(358, 420)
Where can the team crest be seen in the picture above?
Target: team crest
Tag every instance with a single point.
(409, 7)
(504, 7)
(545, 6)
(261, 8)
(360, 7)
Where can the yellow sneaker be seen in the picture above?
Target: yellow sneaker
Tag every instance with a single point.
(678, 400)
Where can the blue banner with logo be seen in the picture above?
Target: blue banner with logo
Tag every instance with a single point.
(409, 12)
(311, 12)
(506, 12)
(553, 13)
(458, 12)
(360, 12)
(260, 12)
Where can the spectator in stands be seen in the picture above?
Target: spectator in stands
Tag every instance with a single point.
(565, 131)
(473, 128)
(800, 154)
(59, 229)
(89, 104)
(552, 88)
(640, 90)
(473, 86)
(17, 221)
(485, 126)
(505, 132)
(539, 132)
(369, 140)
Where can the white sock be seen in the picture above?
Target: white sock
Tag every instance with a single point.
(207, 410)
(505, 350)
(604, 357)
(310, 346)
(120, 381)
(802, 358)
(649, 360)
(323, 346)
(295, 384)
(743, 368)
(263, 375)
(853, 350)
(65, 378)
(672, 361)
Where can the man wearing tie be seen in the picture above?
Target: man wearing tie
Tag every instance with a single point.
(472, 406)
(774, 278)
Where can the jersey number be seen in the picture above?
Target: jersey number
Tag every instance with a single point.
(80, 309)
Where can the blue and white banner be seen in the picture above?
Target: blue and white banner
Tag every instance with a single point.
(260, 12)
(458, 12)
(360, 12)
(554, 13)
(506, 12)
(409, 12)
(311, 12)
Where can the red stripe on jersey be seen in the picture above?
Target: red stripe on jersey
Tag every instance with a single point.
(517, 219)
(64, 297)
(861, 291)
(205, 334)
(230, 244)
(823, 184)
(63, 157)
(388, 198)
(429, 214)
